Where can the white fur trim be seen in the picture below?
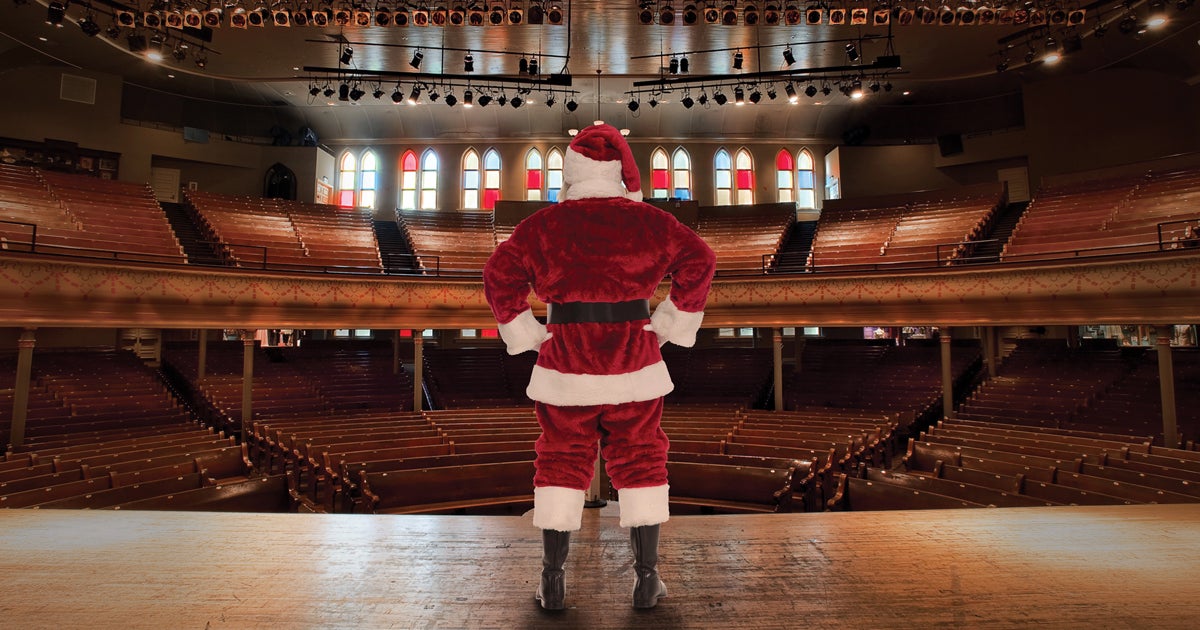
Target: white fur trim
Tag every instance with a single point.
(671, 324)
(644, 506)
(558, 508)
(523, 333)
(577, 390)
(585, 178)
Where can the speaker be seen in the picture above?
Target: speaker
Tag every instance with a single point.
(950, 144)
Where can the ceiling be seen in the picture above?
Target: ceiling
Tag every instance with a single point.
(261, 72)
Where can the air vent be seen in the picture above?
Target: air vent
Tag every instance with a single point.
(78, 89)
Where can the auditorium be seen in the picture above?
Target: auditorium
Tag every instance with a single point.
(947, 374)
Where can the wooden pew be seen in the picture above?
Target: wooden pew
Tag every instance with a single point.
(730, 489)
(448, 489)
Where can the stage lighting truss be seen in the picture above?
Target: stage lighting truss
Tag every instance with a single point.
(966, 13)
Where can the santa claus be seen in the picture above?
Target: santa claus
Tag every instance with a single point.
(596, 258)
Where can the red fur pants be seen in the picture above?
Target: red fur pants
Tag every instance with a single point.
(631, 440)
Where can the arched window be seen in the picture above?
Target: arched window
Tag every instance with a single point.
(347, 174)
(533, 175)
(785, 180)
(470, 180)
(554, 174)
(409, 180)
(743, 179)
(723, 171)
(660, 174)
(681, 174)
(429, 177)
(491, 179)
(367, 180)
(806, 196)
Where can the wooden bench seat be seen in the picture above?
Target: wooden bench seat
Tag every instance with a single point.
(259, 494)
(429, 490)
(854, 494)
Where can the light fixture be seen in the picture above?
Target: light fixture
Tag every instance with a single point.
(856, 89)
(533, 66)
(688, 102)
(1157, 15)
(550, 101)
(347, 55)
(653, 102)
(180, 52)
(328, 91)
(516, 102)
(469, 63)
(468, 98)
(378, 93)
(89, 26)
(356, 93)
(414, 96)
(788, 57)
(397, 97)
(755, 97)
(739, 97)
(771, 94)
(720, 98)
(55, 13)
(703, 100)
(314, 90)
(673, 66)
(790, 91)
(502, 100)
(451, 100)
(572, 105)
(522, 66)
(633, 105)
(852, 52)
(810, 91)
(737, 60)
(415, 62)
(344, 92)
(1003, 65)
(684, 65)
(484, 99)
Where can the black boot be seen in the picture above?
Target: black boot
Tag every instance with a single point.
(648, 587)
(551, 591)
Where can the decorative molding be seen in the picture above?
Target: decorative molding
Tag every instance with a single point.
(39, 292)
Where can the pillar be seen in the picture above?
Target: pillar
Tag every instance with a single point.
(777, 351)
(991, 353)
(947, 374)
(202, 364)
(396, 354)
(418, 369)
(1166, 383)
(21, 393)
(247, 381)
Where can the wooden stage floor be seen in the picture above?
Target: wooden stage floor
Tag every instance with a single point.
(1083, 567)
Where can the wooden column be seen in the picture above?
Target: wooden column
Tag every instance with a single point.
(21, 393)
(777, 351)
(418, 369)
(947, 374)
(202, 366)
(1166, 383)
(247, 381)
(991, 353)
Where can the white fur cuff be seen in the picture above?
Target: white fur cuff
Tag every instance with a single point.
(558, 508)
(523, 333)
(644, 506)
(671, 324)
(579, 390)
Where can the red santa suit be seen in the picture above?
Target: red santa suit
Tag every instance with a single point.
(600, 250)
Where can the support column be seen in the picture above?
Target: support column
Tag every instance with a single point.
(396, 354)
(202, 366)
(777, 351)
(1073, 337)
(247, 381)
(418, 369)
(20, 410)
(1166, 383)
(990, 353)
(947, 374)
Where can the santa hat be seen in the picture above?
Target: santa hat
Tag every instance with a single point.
(597, 164)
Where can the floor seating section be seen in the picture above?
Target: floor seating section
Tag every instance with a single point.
(917, 230)
(77, 215)
(1108, 216)
(477, 377)
(104, 432)
(739, 377)
(289, 235)
(1101, 388)
(968, 463)
(317, 378)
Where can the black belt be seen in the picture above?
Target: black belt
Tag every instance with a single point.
(599, 312)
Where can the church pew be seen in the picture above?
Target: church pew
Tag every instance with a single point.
(854, 494)
(984, 495)
(258, 494)
(451, 488)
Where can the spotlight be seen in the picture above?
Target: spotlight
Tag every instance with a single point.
(356, 93)
(837, 17)
(887, 86)
(238, 18)
(112, 32)
(771, 94)
(522, 66)
(814, 15)
(180, 52)
(1157, 15)
(314, 90)
(711, 15)
(645, 15)
(89, 26)
(282, 17)
(788, 57)
(826, 90)
(434, 96)
(666, 15)
(633, 106)
(516, 102)
(321, 18)
(533, 67)
(201, 59)
(755, 97)
(299, 18)
(690, 15)
(737, 60)
(673, 66)
(328, 91)
(684, 65)
(212, 17)
(554, 14)
(397, 97)
(496, 15)
(791, 15)
(383, 17)
(572, 105)
(414, 96)
(852, 52)
(653, 102)
(378, 93)
(484, 99)
(55, 13)
(347, 55)
(502, 100)
(344, 92)
(687, 102)
(415, 62)
(703, 100)
(1003, 65)
(149, 20)
(468, 98)
(451, 99)
(720, 98)
(469, 63)
(550, 101)
(1030, 55)
(810, 91)
(739, 97)
(729, 16)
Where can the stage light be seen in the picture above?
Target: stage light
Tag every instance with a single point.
(533, 66)
(837, 17)
(55, 13)
(666, 15)
(212, 18)
(653, 102)
(826, 90)
(703, 100)
(356, 93)
(502, 100)
(858, 16)
(1052, 55)
(550, 101)
(322, 17)
(684, 65)
(1157, 13)
(174, 19)
(458, 15)
(415, 62)
(378, 93)
(673, 66)
(771, 15)
(434, 96)
(771, 94)
(755, 97)
(554, 15)
(451, 100)
(792, 15)
(397, 97)
(572, 105)
(729, 15)
(89, 26)
(344, 92)
(737, 60)
(516, 102)
(810, 91)
(180, 52)
(687, 102)
(414, 96)
(314, 90)
(750, 15)
(282, 18)
(299, 18)
(633, 105)
(711, 15)
(496, 15)
(468, 98)
(887, 86)
(645, 15)
(690, 15)
(484, 99)
(814, 16)
(346, 56)
(469, 63)
(238, 18)
(852, 52)
(1003, 65)
(328, 91)
(720, 98)
(788, 57)
(522, 66)
(383, 17)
